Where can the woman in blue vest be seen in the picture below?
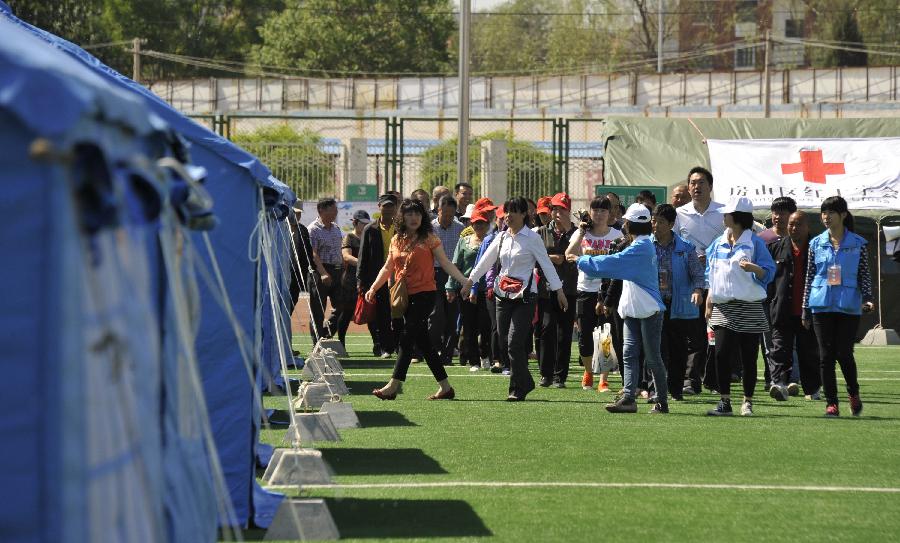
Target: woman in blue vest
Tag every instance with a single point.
(838, 289)
(681, 281)
(738, 268)
(640, 306)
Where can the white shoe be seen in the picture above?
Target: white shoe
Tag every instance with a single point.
(414, 361)
(747, 409)
(473, 369)
(815, 396)
(793, 389)
(485, 363)
(780, 393)
(385, 355)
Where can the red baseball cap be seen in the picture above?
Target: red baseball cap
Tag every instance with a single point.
(485, 204)
(543, 204)
(500, 212)
(478, 216)
(562, 200)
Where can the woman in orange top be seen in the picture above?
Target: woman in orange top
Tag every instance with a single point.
(414, 250)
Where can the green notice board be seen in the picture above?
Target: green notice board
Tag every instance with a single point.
(362, 193)
(628, 194)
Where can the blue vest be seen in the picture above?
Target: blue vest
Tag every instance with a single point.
(682, 288)
(843, 298)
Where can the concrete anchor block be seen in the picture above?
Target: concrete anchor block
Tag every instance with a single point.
(342, 414)
(331, 344)
(312, 395)
(881, 336)
(297, 467)
(302, 520)
(336, 383)
(313, 427)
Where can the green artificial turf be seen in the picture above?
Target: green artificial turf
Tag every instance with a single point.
(565, 436)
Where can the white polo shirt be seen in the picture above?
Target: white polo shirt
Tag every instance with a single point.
(700, 228)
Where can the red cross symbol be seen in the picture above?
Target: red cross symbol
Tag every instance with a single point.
(814, 170)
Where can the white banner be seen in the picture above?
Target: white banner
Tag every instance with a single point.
(865, 172)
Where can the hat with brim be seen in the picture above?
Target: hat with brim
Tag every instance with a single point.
(543, 204)
(478, 216)
(469, 209)
(740, 204)
(385, 199)
(637, 213)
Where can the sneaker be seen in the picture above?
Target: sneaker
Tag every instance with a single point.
(793, 389)
(603, 387)
(414, 361)
(558, 384)
(485, 363)
(505, 372)
(856, 406)
(473, 369)
(623, 405)
(645, 394)
(747, 408)
(587, 381)
(780, 393)
(385, 355)
(688, 391)
(545, 382)
(659, 409)
(815, 396)
(723, 409)
(496, 367)
(832, 411)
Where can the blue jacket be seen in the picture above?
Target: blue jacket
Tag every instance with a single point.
(637, 263)
(681, 306)
(843, 298)
(723, 274)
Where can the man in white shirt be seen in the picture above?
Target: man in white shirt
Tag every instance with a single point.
(700, 222)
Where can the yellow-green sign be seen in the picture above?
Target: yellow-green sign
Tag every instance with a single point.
(362, 193)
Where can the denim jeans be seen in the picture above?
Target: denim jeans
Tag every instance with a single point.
(644, 334)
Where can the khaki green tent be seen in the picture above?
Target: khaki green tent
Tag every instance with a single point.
(661, 151)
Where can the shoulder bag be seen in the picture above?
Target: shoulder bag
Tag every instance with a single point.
(399, 294)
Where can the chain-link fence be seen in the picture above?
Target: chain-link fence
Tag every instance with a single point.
(359, 157)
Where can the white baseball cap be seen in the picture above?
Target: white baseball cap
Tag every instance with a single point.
(637, 213)
(469, 209)
(741, 204)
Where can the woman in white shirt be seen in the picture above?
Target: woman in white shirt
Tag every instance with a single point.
(517, 250)
(738, 268)
(591, 239)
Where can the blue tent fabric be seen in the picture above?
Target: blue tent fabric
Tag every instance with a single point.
(234, 176)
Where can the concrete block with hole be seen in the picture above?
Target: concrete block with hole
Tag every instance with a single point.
(312, 395)
(342, 414)
(331, 344)
(302, 520)
(881, 336)
(297, 467)
(313, 427)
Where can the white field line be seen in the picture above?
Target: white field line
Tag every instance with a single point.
(349, 375)
(501, 484)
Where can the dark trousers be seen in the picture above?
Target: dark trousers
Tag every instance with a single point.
(586, 309)
(674, 346)
(836, 333)
(442, 321)
(319, 298)
(387, 331)
(556, 339)
(514, 326)
(785, 338)
(476, 331)
(538, 328)
(497, 354)
(742, 348)
(617, 330)
(414, 333)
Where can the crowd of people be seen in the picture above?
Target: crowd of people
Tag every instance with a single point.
(691, 291)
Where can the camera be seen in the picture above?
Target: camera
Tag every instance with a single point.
(584, 216)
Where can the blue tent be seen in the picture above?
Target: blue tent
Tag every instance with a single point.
(90, 391)
(243, 190)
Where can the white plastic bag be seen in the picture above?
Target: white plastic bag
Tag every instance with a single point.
(604, 358)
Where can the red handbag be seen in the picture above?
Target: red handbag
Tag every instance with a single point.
(364, 312)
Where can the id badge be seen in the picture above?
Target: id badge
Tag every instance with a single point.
(663, 280)
(834, 274)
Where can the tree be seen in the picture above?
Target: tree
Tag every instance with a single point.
(529, 173)
(512, 37)
(75, 20)
(360, 36)
(301, 160)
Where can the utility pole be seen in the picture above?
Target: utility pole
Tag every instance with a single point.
(767, 75)
(659, 38)
(462, 151)
(136, 59)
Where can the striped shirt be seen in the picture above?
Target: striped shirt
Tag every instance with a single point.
(740, 316)
(326, 242)
(449, 237)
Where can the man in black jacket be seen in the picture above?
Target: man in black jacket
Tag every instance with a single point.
(302, 251)
(785, 310)
(373, 251)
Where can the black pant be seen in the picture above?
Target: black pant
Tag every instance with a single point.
(476, 331)
(836, 333)
(586, 309)
(318, 301)
(556, 339)
(617, 330)
(674, 348)
(784, 339)
(497, 354)
(387, 331)
(742, 347)
(514, 326)
(414, 333)
(442, 321)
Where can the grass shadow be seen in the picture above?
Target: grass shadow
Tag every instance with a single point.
(405, 519)
(381, 462)
(363, 388)
(383, 419)
(367, 363)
